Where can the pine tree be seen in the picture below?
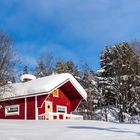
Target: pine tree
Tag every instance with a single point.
(125, 73)
(88, 81)
(25, 70)
(118, 78)
(105, 81)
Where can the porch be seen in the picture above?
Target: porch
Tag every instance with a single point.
(59, 116)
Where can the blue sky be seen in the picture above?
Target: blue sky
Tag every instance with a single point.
(75, 30)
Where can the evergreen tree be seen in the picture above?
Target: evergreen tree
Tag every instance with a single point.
(118, 77)
(88, 107)
(88, 81)
(25, 70)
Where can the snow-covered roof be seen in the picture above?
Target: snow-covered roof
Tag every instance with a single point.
(42, 85)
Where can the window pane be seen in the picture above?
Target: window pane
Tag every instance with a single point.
(12, 109)
(61, 109)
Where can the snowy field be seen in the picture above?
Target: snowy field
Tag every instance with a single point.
(67, 130)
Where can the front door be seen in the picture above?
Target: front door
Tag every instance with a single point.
(48, 106)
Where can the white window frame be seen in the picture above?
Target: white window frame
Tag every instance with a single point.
(11, 113)
(59, 106)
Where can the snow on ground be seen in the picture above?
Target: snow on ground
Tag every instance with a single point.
(67, 130)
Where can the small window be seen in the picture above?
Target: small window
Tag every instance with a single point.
(12, 110)
(56, 93)
(61, 109)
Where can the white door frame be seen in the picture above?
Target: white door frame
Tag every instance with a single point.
(50, 104)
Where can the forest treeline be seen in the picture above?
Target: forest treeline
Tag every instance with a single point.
(113, 90)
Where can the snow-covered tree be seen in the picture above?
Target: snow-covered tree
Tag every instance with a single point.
(118, 78)
(7, 63)
(7, 59)
(88, 81)
(93, 97)
(105, 81)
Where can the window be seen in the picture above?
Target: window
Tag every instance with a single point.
(12, 110)
(56, 93)
(61, 109)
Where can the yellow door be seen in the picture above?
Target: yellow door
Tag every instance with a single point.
(48, 106)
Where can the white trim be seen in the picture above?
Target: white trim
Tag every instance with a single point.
(36, 109)
(50, 115)
(78, 105)
(72, 117)
(60, 106)
(11, 113)
(25, 109)
(0, 106)
(85, 98)
(51, 105)
(44, 101)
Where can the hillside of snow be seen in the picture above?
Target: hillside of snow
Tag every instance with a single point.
(67, 130)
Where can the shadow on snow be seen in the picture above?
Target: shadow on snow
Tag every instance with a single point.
(111, 129)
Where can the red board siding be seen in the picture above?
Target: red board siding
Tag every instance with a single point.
(61, 100)
(19, 102)
(41, 103)
(30, 108)
(68, 96)
(2, 113)
(40, 99)
(74, 104)
(41, 110)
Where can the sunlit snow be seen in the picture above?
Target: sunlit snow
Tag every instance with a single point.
(67, 130)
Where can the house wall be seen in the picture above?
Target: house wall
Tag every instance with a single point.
(61, 100)
(41, 103)
(20, 102)
(30, 108)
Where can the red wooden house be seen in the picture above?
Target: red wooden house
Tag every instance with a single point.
(51, 97)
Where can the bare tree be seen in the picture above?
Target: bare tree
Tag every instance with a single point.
(7, 62)
(45, 65)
